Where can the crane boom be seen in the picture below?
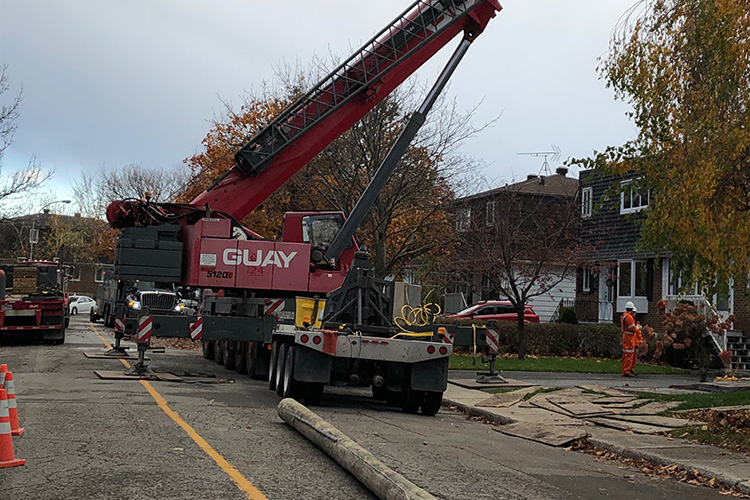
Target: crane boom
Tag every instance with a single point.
(341, 99)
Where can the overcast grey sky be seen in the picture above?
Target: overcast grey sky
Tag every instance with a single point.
(115, 82)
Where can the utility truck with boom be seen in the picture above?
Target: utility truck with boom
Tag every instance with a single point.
(305, 310)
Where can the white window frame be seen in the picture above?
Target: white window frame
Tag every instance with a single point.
(463, 219)
(489, 213)
(587, 202)
(74, 273)
(640, 301)
(632, 195)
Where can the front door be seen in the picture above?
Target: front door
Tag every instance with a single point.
(606, 298)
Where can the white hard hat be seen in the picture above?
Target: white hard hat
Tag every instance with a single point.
(630, 307)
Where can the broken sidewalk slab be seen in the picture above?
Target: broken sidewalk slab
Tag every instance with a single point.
(664, 391)
(557, 435)
(544, 404)
(614, 400)
(732, 386)
(622, 425)
(581, 410)
(506, 399)
(652, 408)
(655, 420)
(603, 389)
(473, 384)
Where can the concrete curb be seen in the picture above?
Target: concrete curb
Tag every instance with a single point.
(722, 478)
(384, 482)
(474, 411)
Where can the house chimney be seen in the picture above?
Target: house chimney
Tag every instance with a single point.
(77, 214)
(46, 211)
(562, 171)
(531, 177)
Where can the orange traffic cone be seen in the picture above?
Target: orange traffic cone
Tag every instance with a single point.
(7, 457)
(12, 408)
(3, 371)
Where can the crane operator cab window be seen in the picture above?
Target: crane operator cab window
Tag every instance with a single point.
(320, 230)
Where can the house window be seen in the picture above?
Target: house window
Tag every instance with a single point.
(463, 219)
(489, 216)
(74, 273)
(587, 202)
(678, 284)
(587, 280)
(631, 199)
(633, 279)
(99, 276)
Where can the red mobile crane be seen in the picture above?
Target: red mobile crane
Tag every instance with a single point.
(204, 244)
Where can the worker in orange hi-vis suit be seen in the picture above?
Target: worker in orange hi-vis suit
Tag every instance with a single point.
(630, 338)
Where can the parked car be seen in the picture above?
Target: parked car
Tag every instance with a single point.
(80, 304)
(497, 310)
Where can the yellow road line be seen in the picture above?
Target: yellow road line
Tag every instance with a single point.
(241, 481)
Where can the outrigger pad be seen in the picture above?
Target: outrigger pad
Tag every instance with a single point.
(101, 355)
(119, 375)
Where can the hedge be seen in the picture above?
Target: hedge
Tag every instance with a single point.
(559, 339)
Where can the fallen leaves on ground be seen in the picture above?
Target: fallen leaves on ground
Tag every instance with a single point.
(728, 429)
(176, 343)
(655, 470)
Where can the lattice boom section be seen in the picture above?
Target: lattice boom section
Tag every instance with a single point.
(422, 21)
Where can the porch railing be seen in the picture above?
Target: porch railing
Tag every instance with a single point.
(587, 310)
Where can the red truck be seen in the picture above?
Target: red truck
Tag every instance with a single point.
(36, 300)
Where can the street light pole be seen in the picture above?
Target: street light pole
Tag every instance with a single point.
(34, 233)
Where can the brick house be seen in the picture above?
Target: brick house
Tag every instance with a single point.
(611, 211)
(543, 195)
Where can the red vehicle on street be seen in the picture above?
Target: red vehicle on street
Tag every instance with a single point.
(497, 310)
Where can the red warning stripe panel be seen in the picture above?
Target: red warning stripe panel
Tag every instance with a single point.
(119, 325)
(448, 338)
(493, 340)
(271, 306)
(196, 329)
(145, 323)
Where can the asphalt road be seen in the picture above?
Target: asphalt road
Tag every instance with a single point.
(109, 439)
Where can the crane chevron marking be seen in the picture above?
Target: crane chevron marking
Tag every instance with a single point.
(196, 329)
(493, 340)
(145, 324)
(278, 258)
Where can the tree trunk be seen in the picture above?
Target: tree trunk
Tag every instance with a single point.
(379, 240)
(521, 336)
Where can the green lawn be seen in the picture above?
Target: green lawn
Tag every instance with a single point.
(565, 365)
(702, 399)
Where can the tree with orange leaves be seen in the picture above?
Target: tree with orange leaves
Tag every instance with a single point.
(410, 210)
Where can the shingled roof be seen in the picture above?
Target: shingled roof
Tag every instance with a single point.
(558, 184)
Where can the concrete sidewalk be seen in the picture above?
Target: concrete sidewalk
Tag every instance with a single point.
(729, 469)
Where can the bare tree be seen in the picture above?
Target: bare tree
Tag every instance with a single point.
(415, 204)
(29, 178)
(524, 249)
(93, 192)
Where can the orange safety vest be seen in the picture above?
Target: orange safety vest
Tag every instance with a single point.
(628, 329)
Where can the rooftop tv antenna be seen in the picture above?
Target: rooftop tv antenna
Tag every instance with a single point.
(553, 155)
